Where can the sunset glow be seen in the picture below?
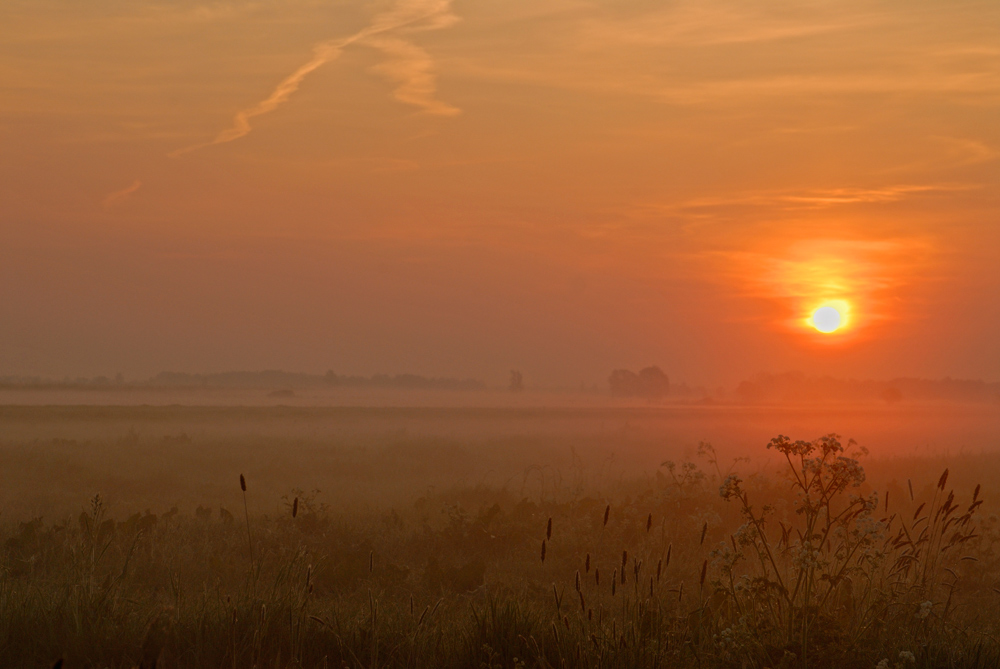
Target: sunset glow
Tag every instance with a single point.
(460, 188)
(434, 305)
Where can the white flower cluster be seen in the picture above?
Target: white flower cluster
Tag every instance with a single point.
(905, 657)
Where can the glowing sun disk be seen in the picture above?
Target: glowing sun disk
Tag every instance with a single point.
(826, 319)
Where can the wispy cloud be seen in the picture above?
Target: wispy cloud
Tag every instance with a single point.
(409, 66)
(116, 197)
(412, 69)
(817, 198)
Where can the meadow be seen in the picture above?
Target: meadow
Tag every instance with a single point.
(322, 537)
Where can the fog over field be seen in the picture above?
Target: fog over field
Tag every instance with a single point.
(500, 334)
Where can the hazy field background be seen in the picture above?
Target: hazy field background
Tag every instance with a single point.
(407, 536)
(56, 455)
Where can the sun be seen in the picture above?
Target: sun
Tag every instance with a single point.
(827, 319)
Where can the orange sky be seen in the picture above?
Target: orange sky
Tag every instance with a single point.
(459, 188)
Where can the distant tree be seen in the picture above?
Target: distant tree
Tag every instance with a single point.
(516, 381)
(654, 382)
(623, 383)
(650, 382)
(892, 395)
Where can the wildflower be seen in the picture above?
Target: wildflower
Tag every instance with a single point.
(883, 664)
(788, 447)
(925, 609)
(830, 444)
(907, 656)
(730, 487)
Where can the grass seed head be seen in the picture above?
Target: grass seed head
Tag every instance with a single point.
(943, 480)
(295, 507)
(543, 550)
(243, 483)
(607, 514)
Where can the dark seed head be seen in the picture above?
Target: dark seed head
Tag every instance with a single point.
(295, 507)
(243, 483)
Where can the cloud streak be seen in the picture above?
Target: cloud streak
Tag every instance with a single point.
(114, 198)
(409, 66)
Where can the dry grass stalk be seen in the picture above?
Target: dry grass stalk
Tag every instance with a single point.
(246, 513)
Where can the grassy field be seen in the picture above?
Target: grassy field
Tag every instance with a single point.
(482, 539)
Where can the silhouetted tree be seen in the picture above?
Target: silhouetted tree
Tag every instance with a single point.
(892, 395)
(516, 381)
(650, 382)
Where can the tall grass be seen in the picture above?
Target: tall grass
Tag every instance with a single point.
(811, 567)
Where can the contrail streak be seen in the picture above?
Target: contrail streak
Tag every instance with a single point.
(411, 66)
(119, 195)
